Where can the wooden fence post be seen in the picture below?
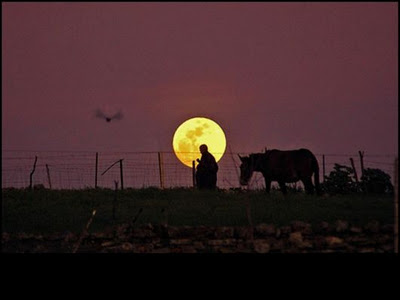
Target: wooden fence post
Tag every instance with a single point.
(121, 171)
(48, 175)
(354, 169)
(95, 174)
(122, 174)
(396, 206)
(161, 169)
(361, 153)
(364, 183)
(115, 199)
(33, 171)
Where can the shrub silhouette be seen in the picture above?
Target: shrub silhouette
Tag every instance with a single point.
(341, 181)
(376, 181)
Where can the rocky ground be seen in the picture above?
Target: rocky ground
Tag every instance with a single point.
(298, 237)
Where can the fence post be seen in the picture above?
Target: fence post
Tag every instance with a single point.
(121, 171)
(161, 169)
(122, 174)
(33, 171)
(115, 199)
(95, 174)
(396, 206)
(354, 169)
(323, 168)
(361, 153)
(194, 173)
(48, 175)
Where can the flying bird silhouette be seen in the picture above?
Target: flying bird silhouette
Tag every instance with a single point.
(101, 115)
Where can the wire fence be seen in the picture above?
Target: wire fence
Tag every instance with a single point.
(77, 169)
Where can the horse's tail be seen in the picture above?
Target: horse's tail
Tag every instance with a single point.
(315, 168)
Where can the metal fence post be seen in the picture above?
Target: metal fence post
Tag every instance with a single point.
(33, 171)
(161, 169)
(122, 175)
(95, 174)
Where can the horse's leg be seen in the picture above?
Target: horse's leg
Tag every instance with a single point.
(267, 185)
(282, 185)
(308, 185)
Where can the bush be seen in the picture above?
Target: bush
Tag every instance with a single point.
(376, 181)
(341, 181)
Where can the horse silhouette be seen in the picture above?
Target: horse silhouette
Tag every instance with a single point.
(283, 167)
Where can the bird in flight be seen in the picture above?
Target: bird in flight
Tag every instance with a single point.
(101, 115)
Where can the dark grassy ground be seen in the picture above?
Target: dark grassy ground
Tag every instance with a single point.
(48, 211)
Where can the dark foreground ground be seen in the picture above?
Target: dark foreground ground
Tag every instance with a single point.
(190, 221)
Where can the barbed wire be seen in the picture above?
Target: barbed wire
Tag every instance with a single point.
(172, 152)
(76, 169)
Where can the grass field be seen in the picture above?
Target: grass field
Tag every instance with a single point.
(50, 211)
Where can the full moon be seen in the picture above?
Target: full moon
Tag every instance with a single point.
(194, 132)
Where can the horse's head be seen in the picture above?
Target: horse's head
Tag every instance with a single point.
(246, 169)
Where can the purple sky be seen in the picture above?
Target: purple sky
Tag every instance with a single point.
(321, 76)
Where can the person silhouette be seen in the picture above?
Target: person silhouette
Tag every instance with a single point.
(206, 173)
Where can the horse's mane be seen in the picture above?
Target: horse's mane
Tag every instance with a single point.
(262, 154)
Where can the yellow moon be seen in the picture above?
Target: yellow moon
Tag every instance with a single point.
(194, 132)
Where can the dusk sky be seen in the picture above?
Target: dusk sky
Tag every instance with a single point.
(322, 76)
